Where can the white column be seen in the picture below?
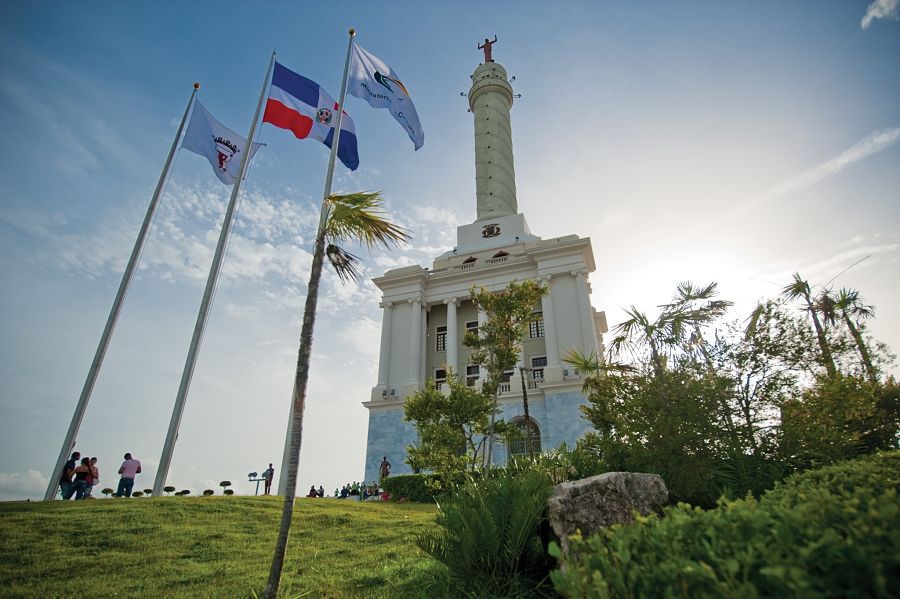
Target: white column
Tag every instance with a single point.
(550, 342)
(452, 337)
(384, 360)
(423, 344)
(482, 318)
(415, 340)
(588, 331)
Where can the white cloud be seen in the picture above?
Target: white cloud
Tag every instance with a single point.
(881, 9)
(19, 485)
(858, 252)
(871, 144)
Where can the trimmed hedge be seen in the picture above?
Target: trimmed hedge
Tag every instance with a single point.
(423, 488)
(833, 532)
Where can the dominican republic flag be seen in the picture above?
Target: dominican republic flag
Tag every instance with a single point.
(300, 105)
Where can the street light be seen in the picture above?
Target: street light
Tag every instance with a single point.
(522, 370)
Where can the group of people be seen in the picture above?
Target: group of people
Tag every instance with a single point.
(80, 475)
(313, 492)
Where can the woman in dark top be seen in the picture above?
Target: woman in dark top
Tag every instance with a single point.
(82, 472)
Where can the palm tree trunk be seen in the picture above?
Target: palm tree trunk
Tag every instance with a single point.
(861, 346)
(827, 358)
(299, 399)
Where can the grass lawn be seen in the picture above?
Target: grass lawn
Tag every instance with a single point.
(214, 547)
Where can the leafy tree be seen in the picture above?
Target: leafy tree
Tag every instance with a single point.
(148, 492)
(169, 490)
(225, 484)
(185, 492)
(840, 418)
(356, 216)
(229, 492)
(208, 492)
(498, 343)
(107, 491)
(452, 428)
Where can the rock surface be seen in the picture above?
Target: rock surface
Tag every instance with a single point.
(600, 501)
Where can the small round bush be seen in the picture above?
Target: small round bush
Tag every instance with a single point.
(137, 494)
(208, 492)
(229, 492)
(148, 492)
(185, 491)
(107, 491)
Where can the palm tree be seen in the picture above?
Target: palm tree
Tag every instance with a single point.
(669, 330)
(356, 216)
(800, 289)
(848, 303)
(688, 297)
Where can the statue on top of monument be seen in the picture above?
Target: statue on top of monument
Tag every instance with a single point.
(488, 44)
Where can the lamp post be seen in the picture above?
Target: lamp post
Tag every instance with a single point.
(522, 370)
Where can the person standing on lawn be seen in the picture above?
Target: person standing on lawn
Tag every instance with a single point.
(129, 469)
(268, 475)
(65, 477)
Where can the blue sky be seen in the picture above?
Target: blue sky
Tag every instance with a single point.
(736, 142)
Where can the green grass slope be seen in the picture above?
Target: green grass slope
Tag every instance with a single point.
(213, 547)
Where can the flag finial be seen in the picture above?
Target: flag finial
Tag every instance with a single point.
(196, 85)
(352, 32)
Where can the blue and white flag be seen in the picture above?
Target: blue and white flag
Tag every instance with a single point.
(377, 83)
(217, 143)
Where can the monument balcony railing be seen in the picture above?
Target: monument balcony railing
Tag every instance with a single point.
(505, 387)
(535, 383)
(479, 264)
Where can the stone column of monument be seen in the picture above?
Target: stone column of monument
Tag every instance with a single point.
(490, 99)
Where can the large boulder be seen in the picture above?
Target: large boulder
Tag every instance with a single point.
(593, 503)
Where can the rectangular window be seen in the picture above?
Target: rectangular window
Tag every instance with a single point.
(537, 367)
(440, 377)
(472, 372)
(536, 327)
(504, 378)
(472, 327)
(441, 339)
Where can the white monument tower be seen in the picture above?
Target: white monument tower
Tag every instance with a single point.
(426, 312)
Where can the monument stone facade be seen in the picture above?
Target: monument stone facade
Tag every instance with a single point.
(426, 311)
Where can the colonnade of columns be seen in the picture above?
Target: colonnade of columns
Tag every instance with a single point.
(417, 334)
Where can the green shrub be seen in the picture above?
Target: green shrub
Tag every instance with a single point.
(208, 492)
(488, 535)
(424, 488)
(229, 492)
(833, 532)
(168, 490)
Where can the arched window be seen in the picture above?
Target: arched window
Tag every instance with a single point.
(530, 432)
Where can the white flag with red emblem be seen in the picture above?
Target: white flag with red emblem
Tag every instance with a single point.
(217, 143)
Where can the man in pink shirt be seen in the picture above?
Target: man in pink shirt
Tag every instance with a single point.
(129, 469)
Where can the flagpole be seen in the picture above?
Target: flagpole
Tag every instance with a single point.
(165, 460)
(127, 276)
(323, 217)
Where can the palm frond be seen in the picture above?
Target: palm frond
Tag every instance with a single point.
(360, 216)
(347, 266)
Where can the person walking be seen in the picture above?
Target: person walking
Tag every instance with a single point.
(65, 477)
(129, 469)
(268, 475)
(385, 468)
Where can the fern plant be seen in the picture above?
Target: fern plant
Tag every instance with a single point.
(488, 534)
